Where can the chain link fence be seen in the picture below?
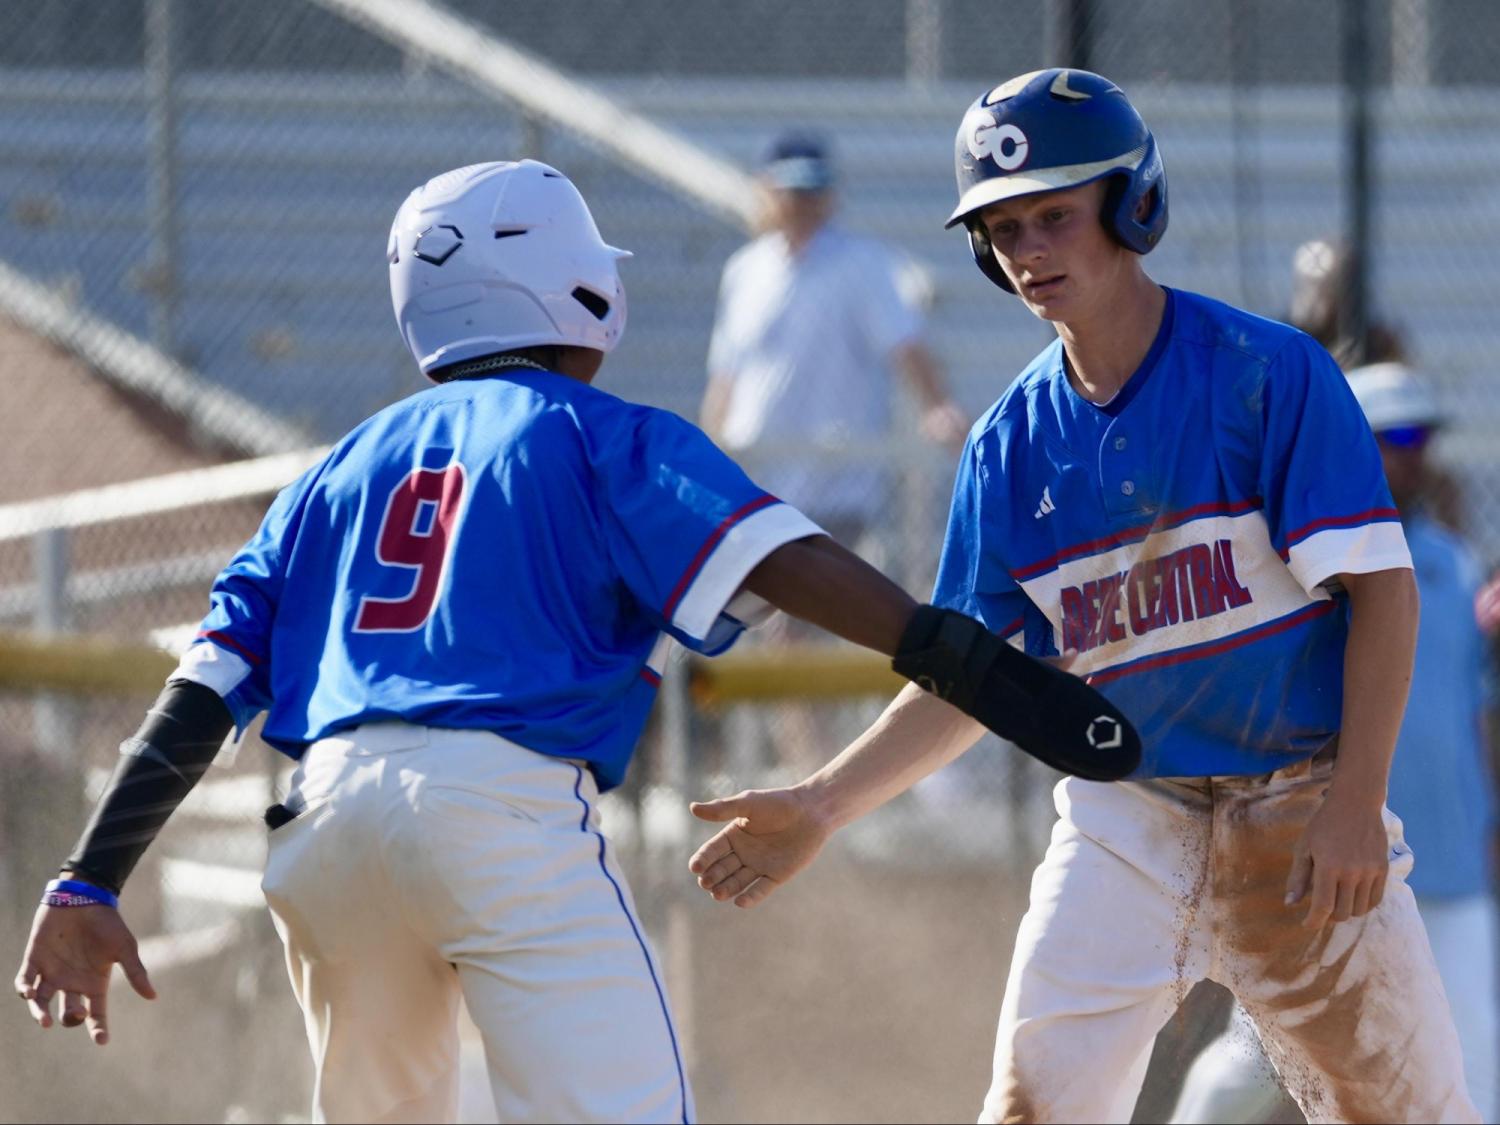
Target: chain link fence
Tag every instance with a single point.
(194, 200)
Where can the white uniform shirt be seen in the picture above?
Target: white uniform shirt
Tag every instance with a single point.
(806, 340)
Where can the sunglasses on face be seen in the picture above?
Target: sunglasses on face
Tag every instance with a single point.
(1405, 437)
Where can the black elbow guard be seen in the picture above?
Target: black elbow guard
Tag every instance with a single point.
(1052, 715)
(181, 733)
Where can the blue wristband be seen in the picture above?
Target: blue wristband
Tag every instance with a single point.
(70, 888)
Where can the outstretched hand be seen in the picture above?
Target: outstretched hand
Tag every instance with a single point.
(772, 835)
(72, 951)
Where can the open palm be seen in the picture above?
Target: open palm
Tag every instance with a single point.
(772, 834)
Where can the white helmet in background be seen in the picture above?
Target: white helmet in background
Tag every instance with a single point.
(499, 256)
(1393, 396)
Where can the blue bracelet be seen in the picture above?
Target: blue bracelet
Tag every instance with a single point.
(66, 892)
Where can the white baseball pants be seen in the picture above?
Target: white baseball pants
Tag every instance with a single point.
(1231, 1082)
(1148, 887)
(432, 863)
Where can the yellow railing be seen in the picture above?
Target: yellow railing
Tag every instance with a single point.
(90, 665)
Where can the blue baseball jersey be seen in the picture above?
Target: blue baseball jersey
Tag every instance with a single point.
(1182, 537)
(512, 554)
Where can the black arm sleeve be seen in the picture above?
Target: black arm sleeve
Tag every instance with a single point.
(1052, 715)
(158, 767)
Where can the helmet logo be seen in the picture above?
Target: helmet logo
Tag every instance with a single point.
(1009, 88)
(1005, 144)
(437, 244)
(1061, 89)
(1105, 733)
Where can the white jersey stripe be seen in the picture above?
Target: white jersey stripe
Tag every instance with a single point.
(1187, 585)
(1349, 550)
(213, 666)
(738, 553)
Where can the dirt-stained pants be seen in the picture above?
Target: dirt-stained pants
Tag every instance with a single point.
(1148, 887)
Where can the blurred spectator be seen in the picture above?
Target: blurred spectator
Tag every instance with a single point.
(1321, 269)
(811, 320)
(1441, 785)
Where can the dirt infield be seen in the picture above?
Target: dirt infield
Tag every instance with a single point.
(855, 994)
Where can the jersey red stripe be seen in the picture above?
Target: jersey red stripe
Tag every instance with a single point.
(707, 549)
(1133, 534)
(1182, 656)
(227, 641)
(1373, 515)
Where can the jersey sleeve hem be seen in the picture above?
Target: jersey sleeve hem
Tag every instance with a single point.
(729, 555)
(216, 668)
(1348, 550)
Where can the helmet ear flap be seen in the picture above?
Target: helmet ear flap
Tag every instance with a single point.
(984, 253)
(1126, 192)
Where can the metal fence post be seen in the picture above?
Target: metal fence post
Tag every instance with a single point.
(924, 41)
(54, 717)
(667, 855)
(160, 280)
(532, 136)
(1357, 169)
(1411, 42)
(1069, 34)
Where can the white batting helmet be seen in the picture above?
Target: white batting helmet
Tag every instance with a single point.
(499, 256)
(1393, 396)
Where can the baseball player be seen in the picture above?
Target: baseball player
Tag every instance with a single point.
(1187, 498)
(457, 623)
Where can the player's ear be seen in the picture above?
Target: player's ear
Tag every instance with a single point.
(1145, 204)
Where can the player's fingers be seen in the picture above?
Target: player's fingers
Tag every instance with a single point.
(720, 871)
(735, 884)
(710, 853)
(135, 973)
(725, 808)
(1298, 878)
(1343, 898)
(758, 892)
(98, 1017)
(40, 1003)
(1322, 900)
(26, 980)
(1362, 898)
(1377, 892)
(73, 1010)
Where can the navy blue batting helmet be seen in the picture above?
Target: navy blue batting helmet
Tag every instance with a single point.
(1054, 129)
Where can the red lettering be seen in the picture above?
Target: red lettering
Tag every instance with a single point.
(1200, 565)
(1092, 619)
(1109, 611)
(421, 514)
(1141, 595)
(1074, 624)
(1225, 583)
(1179, 595)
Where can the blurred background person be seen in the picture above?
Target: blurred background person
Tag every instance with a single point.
(811, 320)
(1321, 271)
(1442, 777)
